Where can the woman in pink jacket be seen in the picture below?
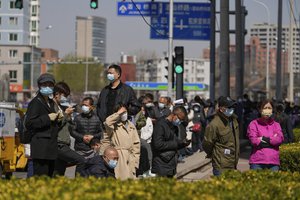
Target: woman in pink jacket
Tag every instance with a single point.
(265, 136)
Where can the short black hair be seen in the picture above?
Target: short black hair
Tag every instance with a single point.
(180, 109)
(62, 87)
(94, 141)
(89, 99)
(117, 68)
(149, 96)
(120, 105)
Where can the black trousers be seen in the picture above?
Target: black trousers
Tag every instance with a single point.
(43, 167)
(66, 157)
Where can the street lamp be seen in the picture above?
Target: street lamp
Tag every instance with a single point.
(32, 63)
(268, 50)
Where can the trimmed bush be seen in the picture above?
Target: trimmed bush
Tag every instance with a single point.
(231, 185)
(290, 157)
(296, 132)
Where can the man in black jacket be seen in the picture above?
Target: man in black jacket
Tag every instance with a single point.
(115, 93)
(165, 143)
(42, 121)
(102, 166)
(86, 126)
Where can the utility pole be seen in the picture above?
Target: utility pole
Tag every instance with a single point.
(291, 82)
(170, 56)
(239, 70)
(278, 56)
(224, 48)
(212, 50)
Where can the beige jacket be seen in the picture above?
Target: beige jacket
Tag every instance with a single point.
(124, 137)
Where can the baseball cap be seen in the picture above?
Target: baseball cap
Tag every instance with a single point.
(226, 102)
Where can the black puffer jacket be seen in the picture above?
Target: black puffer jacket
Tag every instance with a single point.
(85, 124)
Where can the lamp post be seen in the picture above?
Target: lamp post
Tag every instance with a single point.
(32, 64)
(268, 50)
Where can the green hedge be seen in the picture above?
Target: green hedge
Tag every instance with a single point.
(296, 132)
(232, 185)
(290, 157)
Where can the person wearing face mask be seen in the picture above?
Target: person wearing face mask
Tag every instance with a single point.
(86, 126)
(122, 135)
(114, 93)
(266, 136)
(165, 144)
(102, 166)
(42, 121)
(66, 155)
(163, 108)
(221, 137)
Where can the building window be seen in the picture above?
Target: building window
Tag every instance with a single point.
(33, 26)
(0, 19)
(13, 37)
(12, 4)
(13, 76)
(13, 20)
(13, 53)
(34, 10)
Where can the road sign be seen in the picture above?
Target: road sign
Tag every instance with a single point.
(191, 21)
(144, 8)
(164, 86)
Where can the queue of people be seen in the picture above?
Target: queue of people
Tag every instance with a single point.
(124, 137)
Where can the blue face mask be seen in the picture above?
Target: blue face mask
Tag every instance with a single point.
(85, 109)
(112, 164)
(228, 112)
(110, 77)
(177, 122)
(63, 99)
(46, 91)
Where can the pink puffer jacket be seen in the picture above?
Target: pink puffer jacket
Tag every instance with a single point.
(259, 128)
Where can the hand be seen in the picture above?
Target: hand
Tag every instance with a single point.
(69, 110)
(122, 110)
(53, 116)
(87, 138)
(183, 143)
(60, 115)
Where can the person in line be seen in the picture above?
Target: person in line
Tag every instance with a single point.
(115, 93)
(165, 144)
(86, 127)
(43, 122)
(285, 123)
(122, 134)
(102, 166)
(265, 136)
(164, 110)
(66, 156)
(221, 137)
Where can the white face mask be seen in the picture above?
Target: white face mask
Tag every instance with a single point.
(124, 117)
(229, 112)
(149, 105)
(161, 105)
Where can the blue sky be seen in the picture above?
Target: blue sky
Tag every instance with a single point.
(131, 34)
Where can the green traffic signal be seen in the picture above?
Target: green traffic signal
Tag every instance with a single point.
(93, 5)
(178, 69)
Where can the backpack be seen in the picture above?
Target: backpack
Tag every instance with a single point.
(25, 134)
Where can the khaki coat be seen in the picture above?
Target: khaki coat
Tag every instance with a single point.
(124, 137)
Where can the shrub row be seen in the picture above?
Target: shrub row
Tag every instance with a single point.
(296, 132)
(290, 157)
(231, 185)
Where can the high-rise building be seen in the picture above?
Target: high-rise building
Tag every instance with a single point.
(260, 30)
(91, 37)
(19, 26)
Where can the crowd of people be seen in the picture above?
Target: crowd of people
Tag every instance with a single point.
(125, 137)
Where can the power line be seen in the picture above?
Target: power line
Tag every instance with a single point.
(145, 19)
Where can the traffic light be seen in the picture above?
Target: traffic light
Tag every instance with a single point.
(179, 70)
(179, 60)
(94, 4)
(19, 4)
(172, 68)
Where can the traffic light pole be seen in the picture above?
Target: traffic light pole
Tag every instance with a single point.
(170, 56)
(212, 49)
(239, 40)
